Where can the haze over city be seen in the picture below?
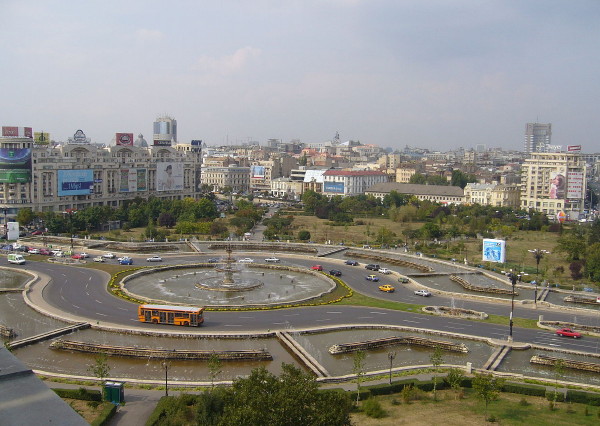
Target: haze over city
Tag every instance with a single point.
(434, 74)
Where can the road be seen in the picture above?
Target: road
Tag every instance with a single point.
(82, 291)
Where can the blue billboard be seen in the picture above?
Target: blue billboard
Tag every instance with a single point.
(337, 187)
(257, 172)
(494, 250)
(75, 182)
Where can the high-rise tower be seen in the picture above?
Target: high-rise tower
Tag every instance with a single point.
(537, 137)
(165, 131)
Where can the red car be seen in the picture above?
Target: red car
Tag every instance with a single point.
(38, 232)
(45, 252)
(567, 332)
(317, 268)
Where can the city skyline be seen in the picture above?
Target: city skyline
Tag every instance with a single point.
(437, 75)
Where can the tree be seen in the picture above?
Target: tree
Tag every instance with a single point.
(454, 379)
(575, 268)
(292, 398)
(358, 368)
(166, 219)
(592, 262)
(487, 388)
(304, 235)
(573, 244)
(25, 216)
(436, 360)
(214, 368)
(100, 367)
(559, 370)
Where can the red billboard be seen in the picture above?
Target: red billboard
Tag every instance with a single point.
(17, 132)
(124, 139)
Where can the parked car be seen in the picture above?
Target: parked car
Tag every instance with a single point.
(387, 288)
(385, 271)
(57, 253)
(126, 261)
(272, 259)
(98, 259)
(317, 268)
(213, 260)
(34, 251)
(84, 255)
(335, 273)
(372, 267)
(567, 332)
(76, 256)
(154, 259)
(373, 278)
(246, 260)
(45, 252)
(351, 262)
(403, 280)
(108, 255)
(424, 293)
(38, 232)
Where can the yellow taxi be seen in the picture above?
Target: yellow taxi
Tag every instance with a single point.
(387, 288)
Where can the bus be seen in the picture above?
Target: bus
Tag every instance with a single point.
(174, 315)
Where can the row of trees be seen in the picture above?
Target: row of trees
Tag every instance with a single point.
(581, 247)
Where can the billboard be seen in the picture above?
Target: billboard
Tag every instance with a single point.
(169, 176)
(125, 139)
(575, 185)
(573, 148)
(41, 138)
(558, 185)
(15, 165)
(337, 187)
(257, 172)
(75, 182)
(12, 230)
(158, 142)
(494, 250)
(17, 132)
(132, 180)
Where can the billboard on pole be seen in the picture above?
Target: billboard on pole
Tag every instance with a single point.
(494, 250)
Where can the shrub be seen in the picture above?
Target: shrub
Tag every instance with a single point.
(583, 397)
(107, 413)
(81, 394)
(524, 389)
(550, 395)
(372, 408)
(524, 403)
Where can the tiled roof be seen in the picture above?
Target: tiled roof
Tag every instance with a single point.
(353, 173)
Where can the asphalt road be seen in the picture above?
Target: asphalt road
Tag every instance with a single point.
(82, 291)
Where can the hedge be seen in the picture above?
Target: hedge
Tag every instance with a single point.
(387, 389)
(427, 385)
(590, 398)
(107, 413)
(365, 393)
(524, 389)
(560, 397)
(81, 393)
(160, 410)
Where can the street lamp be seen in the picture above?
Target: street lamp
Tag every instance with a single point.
(513, 277)
(165, 365)
(391, 356)
(71, 212)
(5, 209)
(538, 254)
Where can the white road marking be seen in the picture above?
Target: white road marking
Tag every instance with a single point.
(379, 313)
(75, 306)
(291, 315)
(416, 322)
(104, 315)
(322, 320)
(233, 325)
(247, 317)
(333, 312)
(455, 328)
(124, 309)
(98, 301)
(365, 317)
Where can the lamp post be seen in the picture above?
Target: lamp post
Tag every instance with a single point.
(5, 209)
(391, 356)
(513, 279)
(70, 212)
(165, 365)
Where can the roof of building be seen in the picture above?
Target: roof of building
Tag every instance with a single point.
(353, 173)
(415, 189)
(26, 400)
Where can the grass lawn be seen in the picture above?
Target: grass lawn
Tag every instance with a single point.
(89, 410)
(470, 411)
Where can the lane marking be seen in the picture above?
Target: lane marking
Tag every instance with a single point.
(291, 315)
(379, 313)
(416, 322)
(75, 306)
(233, 325)
(104, 315)
(98, 301)
(333, 312)
(365, 317)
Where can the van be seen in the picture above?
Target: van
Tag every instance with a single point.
(16, 258)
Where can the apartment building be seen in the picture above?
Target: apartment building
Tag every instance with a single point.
(493, 194)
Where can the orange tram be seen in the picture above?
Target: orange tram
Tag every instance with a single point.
(173, 315)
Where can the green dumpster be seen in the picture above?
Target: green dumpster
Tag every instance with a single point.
(114, 392)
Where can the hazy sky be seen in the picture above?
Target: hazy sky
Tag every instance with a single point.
(435, 74)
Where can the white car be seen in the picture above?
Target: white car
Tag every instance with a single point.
(57, 253)
(98, 259)
(154, 259)
(423, 293)
(385, 271)
(246, 260)
(83, 255)
(34, 251)
(108, 255)
(272, 259)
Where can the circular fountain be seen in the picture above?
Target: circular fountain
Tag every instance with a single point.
(228, 284)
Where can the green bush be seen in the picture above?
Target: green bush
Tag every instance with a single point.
(387, 389)
(427, 385)
(81, 393)
(372, 408)
(365, 393)
(524, 389)
(107, 413)
(467, 382)
(560, 397)
(583, 397)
